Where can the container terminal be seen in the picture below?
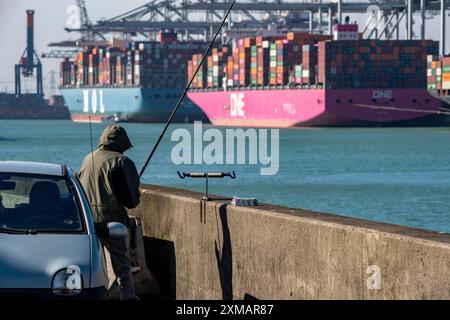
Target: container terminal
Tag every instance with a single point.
(287, 64)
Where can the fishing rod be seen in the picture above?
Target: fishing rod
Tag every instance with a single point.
(186, 89)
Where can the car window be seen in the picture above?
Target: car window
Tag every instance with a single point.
(40, 203)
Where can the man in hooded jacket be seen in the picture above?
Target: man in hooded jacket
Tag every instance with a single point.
(111, 183)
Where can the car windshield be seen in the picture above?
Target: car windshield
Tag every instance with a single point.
(39, 203)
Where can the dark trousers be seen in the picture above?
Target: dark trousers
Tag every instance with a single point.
(120, 260)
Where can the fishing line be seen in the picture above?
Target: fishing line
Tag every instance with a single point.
(92, 142)
(186, 90)
(92, 146)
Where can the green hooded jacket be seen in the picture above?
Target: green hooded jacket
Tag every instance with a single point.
(110, 179)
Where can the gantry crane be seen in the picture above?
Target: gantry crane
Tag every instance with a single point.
(198, 18)
(29, 62)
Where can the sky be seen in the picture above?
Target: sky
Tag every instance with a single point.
(51, 18)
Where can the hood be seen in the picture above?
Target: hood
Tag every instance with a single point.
(115, 137)
(31, 261)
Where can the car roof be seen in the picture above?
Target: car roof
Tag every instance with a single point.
(32, 168)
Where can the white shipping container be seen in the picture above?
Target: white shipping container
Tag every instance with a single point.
(305, 73)
(429, 73)
(273, 64)
(215, 58)
(446, 85)
(439, 72)
(265, 44)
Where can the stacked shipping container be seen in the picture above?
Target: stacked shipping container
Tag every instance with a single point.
(146, 64)
(260, 61)
(309, 64)
(294, 59)
(212, 74)
(439, 74)
(263, 62)
(244, 46)
(374, 63)
(66, 71)
(303, 59)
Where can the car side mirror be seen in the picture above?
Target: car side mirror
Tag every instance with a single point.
(117, 231)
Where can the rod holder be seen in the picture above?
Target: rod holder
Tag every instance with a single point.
(207, 176)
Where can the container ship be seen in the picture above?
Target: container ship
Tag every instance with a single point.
(310, 80)
(32, 106)
(439, 77)
(130, 81)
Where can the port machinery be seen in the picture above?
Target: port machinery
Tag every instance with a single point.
(28, 63)
(198, 18)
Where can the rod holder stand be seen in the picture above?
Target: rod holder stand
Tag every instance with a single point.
(207, 176)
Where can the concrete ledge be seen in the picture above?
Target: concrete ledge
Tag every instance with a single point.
(216, 251)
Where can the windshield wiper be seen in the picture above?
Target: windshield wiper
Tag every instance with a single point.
(17, 231)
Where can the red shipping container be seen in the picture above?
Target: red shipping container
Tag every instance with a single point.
(446, 61)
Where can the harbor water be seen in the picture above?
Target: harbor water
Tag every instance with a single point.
(393, 175)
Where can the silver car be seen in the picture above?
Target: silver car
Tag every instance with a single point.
(49, 247)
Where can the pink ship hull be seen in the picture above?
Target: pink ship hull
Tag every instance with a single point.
(314, 107)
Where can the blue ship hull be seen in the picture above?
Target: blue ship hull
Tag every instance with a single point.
(131, 104)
